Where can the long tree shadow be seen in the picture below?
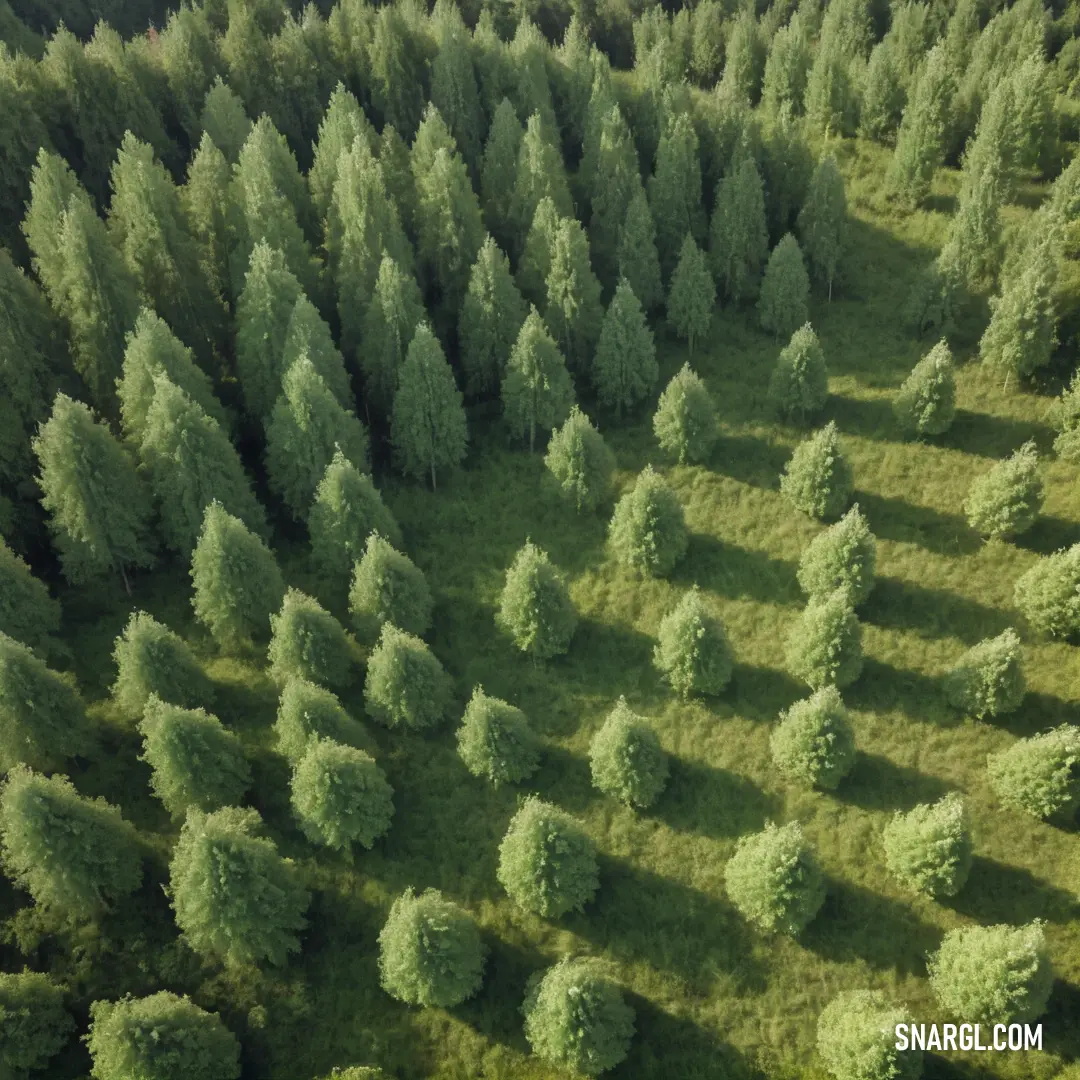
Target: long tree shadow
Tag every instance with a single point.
(1061, 1032)
(998, 893)
(876, 783)
(883, 688)
(905, 605)
(612, 659)
(871, 418)
(1049, 534)
(1038, 713)
(564, 778)
(749, 460)
(993, 436)
(736, 572)
(762, 693)
(896, 519)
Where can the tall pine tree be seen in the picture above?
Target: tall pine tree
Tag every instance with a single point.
(536, 389)
(624, 370)
(573, 310)
(739, 239)
(675, 191)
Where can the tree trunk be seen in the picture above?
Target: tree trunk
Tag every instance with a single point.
(433, 487)
(127, 584)
(532, 435)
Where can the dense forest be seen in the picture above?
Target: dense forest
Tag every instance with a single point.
(538, 539)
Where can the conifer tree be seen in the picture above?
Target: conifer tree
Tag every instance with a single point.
(1038, 775)
(933, 299)
(396, 168)
(884, 94)
(224, 120)
(536, 388)
(616, 179)
(98, 506)
(823, 222)
(396, 69)
(1066, 417)
(647, 532)
(637, 260)
(627, 760)
(738, 237)
(152, 659)
(675, 192)
(799, 386)
(856, 1038)
(988, 680)
(308, 335)
(787, 68)
(540, 174)
(52, 186)
(427, 426)
(406, 686)
(388, 587)
(692, 294)
(306, 640)
(1048, 594)
(580, 461)
(1005, 501)
(685, 419)
(743, 59)
(928, 850)
(624, 368)
(925, 404)
(534, 266)
(692, 650)
(785, 289)
(535, 608)
(817, 478)
(831, 101)
(190, 462)
(205, 198)
(824, 646)
(843, 556)
(37, 1024)
(306, 712)
(813, 743)
(27, 612)
(342, 123)
(453, 86)
(572, 309)
(971, 255)
(498, 175)
(495, 741)
(529, 57)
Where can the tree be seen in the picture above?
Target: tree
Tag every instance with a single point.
(972, 252)
(823, 222)
(206, 200)
(453, 86)
(190, 463)
(305, 712)
(637, 260)
(152, 659)
(575, 1018)
(535, 608)
(36, 1023)
(814, 744)
(27, 612)
(536, 388)
(615, 180)
(342, 124)
(883, 94)
(498, 174)
(799, 386)
(406, 685)
(824, 646)
(534, 266)
(743, 58)
(993, 974)
(692, 294)
(787, 68)
(774, 879)
(675, 192)
(843, 556)
(1048, 594)
(738, 236)
(1006, 500)
(928, 850)
(624, 369)
(831, 102)
(785, 289)
(540, 174)
(817, 478)
(933, 299)
(308, 335)
(648, 531)
(430, 951)
(340, 796)
(925, 404)
(988, 680)
(572, 309)
(160, 1037)
(224, 120)
(75, 856)
(306, 640)
(495, 741)
(233, 896)
(685, 419)
(346, 510)
(580, 460)
(627, 760)
(1066, 418)
(693, 651)
(1039, 775)
(396, 68)
(427, 426)
(98, 508)
(547, 863)
(856, 1038)
(388, 588)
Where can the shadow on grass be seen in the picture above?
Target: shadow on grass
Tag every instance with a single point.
(749, 460)
(736, 572)
(761, 693)
(610, 659)
(871, 418)
(876, 783)
(1048, 534)
(563, 778)
(883, 688)
(1037, 713)
(1061, 1032)
(896, 519)
(904, 605)
(998, 893)
(993, 436)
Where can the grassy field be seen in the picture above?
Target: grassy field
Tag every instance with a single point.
(714, 998)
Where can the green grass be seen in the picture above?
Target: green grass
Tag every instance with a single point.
(714, 998)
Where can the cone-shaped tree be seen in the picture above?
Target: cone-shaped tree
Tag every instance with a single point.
(648, 531)
(675, 191)
(972, 252)
(1006, 500)
(1039, 775)
(627, 760)
(1066, 417)
(224, 120)
(624, 369)
(856, 1038)
(206, 198)
(308, 641)
(535, 608)
(342, 123)
(933, 299)
(813, 743)
(27, 612)
(234, 896)
(534, 266)
(1048, 594)
(615, 180)
(817, 478)
(537, 391)
(738, 236)
(540, 174)
(308, 335)
(388, 587)
(36, 1023)
(495, 741)
(637, 260)
(823, 222)
(580, 460)
(685, 419)
(824, 646)
(406, 685)
(883, 93)
(988, 680)
(928, 849)
(498, 174)
(799, 386)
(306, 711)
(572, 308)
(152, 659)
(925, 404)
(52, 185)
(785, 290)
(693, 651)
(692, 295)
(843, 556)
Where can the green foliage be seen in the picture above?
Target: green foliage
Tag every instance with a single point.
(693, 650)
(196, 762)
(685, 419)
(75, 856)
(799, 386)
(744, 58)
(160, 1037)
(824, 646)
(817, 478)
(498, 174)
(993, 974)
(648, 531)
(692, 294)
(624, 369)
(831, 101)
(580, 461)
(928, 850)
(842, 556)
(933, 299)
(925, 404)
(787, 68)
(224, 120)
(308, 641)
(206, 200)
(306, 711)
(785, 290)
(35, 1023)
(856, 1038)
(1066, 418)
(774, 879)
(920, 142)
(572, 308)
(233, 896)
(340, 796)
(1048, 594)
(534, 266)
(540, 174)
(406, 686)
(1039, 775)
(537, 391)
(307, 335)
(823, 222)
(616, 179)
(1006, 500)
(576, 1019)
(152, 659)
(495, 741)
(814, 744)
(627, 760)
(971, 254)
(989, 679)
(27, 612)
(547, 863)
(637, 260)
(535, 608)
(738, 236)
(342, 123)
(388, 588)
(883, 94)
(675, 192)
(430, 951)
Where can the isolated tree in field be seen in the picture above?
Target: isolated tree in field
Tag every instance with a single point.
(624, 369)
(346, 510)
(637, 260)
(152, 659)
(406, 686)
(648, 530)
(535, 608)
(195, 760)
(842, 556)
(498, 174)
(925, 404)
(817, 478)
(491, 317)
(615, 180)
(547, 863)
(993, 974)
(675, 191)
(430, 951)
(1039, 775)
(76, 857)
(224, 120)
(537, 391)
(580, 460)
(920, 142)
(576, 1018)
(387, 587)
(572, 307)
(738, 235)
(856, 1038)
(627, 760)
(36, 1023)
(1066, 418)
(307, 335)
(785, 290)
(799, 386)
(824, 646)
(693, 651)
(692, 295)
(685, 419)
(160, 1037)
(989, 678)
(27, 612)
(42, 718)
(928, 849)
(235, 898)
(339, 796)
(495, 741)
(427, 426)
(1006, 500)
(1048, 594)
(306, 711)
(814, 744)
(98, 508)
(774, 879)
(343, 122)
(823, 222)
(306, 640)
